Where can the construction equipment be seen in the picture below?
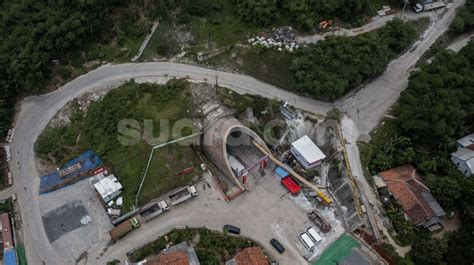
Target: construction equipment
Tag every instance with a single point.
(325, 23)
(320, 194)
(319, 221)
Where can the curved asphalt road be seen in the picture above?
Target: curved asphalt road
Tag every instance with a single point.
(36, 112)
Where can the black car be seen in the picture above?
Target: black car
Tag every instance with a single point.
(231, 229)
(277, 245)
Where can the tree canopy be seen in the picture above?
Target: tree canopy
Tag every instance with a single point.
(338, 64)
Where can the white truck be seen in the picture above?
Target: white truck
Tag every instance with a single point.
(155, 210)
(183, 194)
(427, 6)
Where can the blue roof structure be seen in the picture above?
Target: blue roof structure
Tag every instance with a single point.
(281, 172)
(89, 161)
(9, 257)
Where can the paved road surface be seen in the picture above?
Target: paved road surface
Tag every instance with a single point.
(366, 107)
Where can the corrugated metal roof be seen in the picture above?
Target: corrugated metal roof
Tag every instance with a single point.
(291, 185)
(466, 140)
(434, 205)
(308, 149)
(463, 154)
(107, 186)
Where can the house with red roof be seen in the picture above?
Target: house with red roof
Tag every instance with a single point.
(249, 256)
(419, 205)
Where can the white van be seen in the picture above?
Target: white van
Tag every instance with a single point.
(313, 234)
(306, 240)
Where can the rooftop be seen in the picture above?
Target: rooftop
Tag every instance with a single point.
(175, 258)
(179, 254)
(108, 186)
(5, 226)
(463, 154)
(414, 197)
(466, 141)
(308, 149)
(249, 256)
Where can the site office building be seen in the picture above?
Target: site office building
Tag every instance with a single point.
(307, 152)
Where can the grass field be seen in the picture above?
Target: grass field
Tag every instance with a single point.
(97, 130)
(211, 247)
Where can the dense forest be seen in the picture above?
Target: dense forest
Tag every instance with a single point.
(339, 64)
(436, 109)
(32, 33)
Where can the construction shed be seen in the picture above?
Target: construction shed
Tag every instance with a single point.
(108, 188)
(307, 152)
(291, 185)
(73, 171)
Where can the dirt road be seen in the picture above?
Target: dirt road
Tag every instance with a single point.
(375, 23)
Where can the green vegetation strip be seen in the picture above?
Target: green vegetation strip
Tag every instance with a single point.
(21, 254)
(97, 129)
(212, 247)
(337, 251)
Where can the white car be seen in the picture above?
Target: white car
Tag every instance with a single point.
(417, 8)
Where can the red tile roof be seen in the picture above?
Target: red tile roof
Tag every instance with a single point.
(251, 256)
(175, 258)
(5, 226)
(406, 186)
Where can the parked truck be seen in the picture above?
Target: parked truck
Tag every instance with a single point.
(427, 6)
(124, 228)
(154, 210)
(183, 194)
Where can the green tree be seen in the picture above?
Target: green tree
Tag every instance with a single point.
(448, 190)
(428, 250)
(259, 12)
(457, 25)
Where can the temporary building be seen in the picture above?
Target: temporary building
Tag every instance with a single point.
(291, 185)
(281, 173)
(108, 188)
(307, 152)
(9, 257)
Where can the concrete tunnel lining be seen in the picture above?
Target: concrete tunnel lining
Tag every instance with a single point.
(215, 142)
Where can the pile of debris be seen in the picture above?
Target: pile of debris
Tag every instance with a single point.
(279, 38)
